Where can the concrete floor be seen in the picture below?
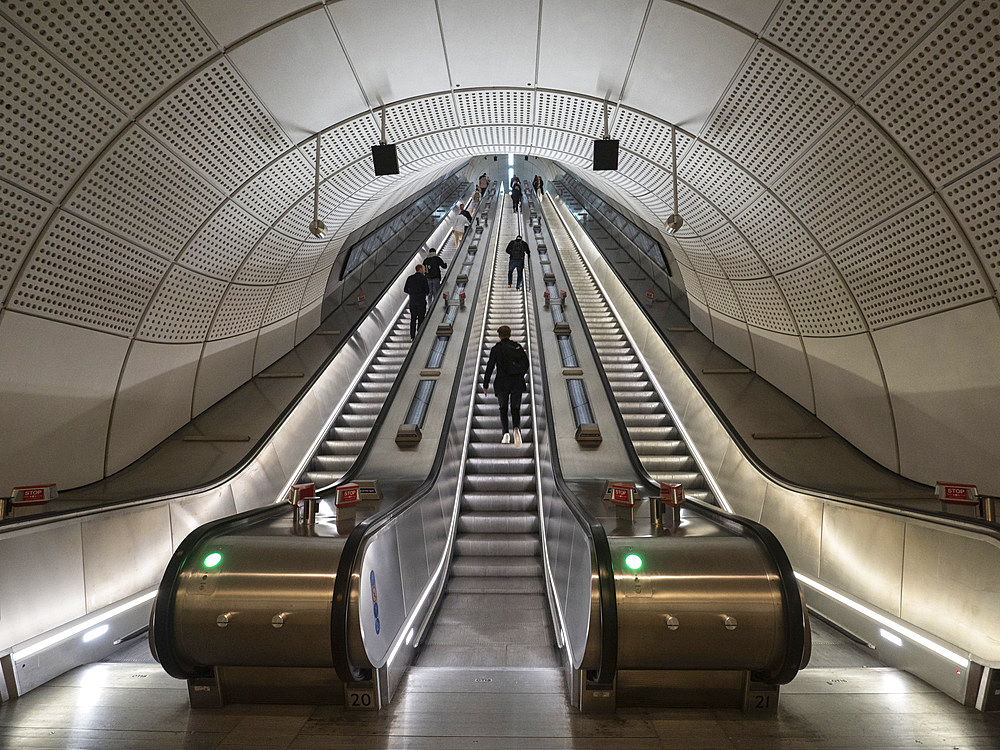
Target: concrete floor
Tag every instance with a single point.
(844, 699)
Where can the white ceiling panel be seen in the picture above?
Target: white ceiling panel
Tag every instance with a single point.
(601, 42)
(227, 26)
(490, 59)
(676, 75)
(299, 71)
(400, 55)
(750, 14)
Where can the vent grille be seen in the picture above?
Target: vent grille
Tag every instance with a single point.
(778, 236)
(182, 309)
(819, 300)
(214, 121)
(764, 306)
(851, 43)
(83, 275)
(975, 200)
(45, 147)
(772, 113)
(130, 54)
(910, 266)
(241, 310)
(222, 244)
(850, 181)
(935, 102)
(142, 191)
(21, 219)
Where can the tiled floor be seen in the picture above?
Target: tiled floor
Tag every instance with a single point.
(842, 700)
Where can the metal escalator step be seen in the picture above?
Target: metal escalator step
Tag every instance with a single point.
(676, 463)
(356, 420)
(501, 465)
(699, 494)
(480, 502)
(496, 450)
(635, 384)
(628, 408)
(654, 432)
(331, 463)
(692, 479)
(323, 478)
(496, 585)
(498, 523)
(508, 567)
(659, 447)
(645, 420)
(503, 483)
(342, 447)
(497, 544)
(370, 397)
(362, 407)
(636, 395)
(345, 432)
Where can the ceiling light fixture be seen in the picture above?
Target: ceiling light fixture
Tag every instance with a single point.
(316, 227)
(674, 221)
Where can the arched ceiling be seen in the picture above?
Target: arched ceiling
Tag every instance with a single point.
(837, 160)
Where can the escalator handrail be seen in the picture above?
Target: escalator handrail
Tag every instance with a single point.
(795, 618)
(608, 602)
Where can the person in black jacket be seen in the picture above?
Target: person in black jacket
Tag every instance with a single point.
(517, 249)
(510, 361)
(433, 264)
(417, 287)
(515, 196)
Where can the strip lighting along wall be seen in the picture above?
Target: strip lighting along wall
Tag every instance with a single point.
(62, 635)
(894, 627)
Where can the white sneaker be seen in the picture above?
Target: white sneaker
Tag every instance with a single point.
(517, 438)
(506, 438)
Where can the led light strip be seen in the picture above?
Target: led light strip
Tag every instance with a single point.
(894, 627)
(62, 635)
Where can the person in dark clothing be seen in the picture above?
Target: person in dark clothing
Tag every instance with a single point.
(515, 196)
(511, 363)
(463, 211)
(537, 184)
(417, 287)
(433, 265)
(484, 183)
(517, 249)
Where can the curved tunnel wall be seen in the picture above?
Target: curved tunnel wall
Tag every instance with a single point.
(838, 168)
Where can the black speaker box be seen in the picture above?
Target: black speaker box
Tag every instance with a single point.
(606, 154)
(385, 159)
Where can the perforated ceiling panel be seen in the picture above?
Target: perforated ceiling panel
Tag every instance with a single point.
(773, 111)
(43, 149)
(223, 242)
(144, 192)
(692, 284)
(268, 259)
(268, 194)
(699, 256)
(699, 215)
(974, 200)
(304, 261)
(733, 253)
(942, 102)
(343, 144)
(570, 113)
(852, 179)
(651, 176)
(719, 295)
(559, 144)
(420, 116)
(501, 107)
(285, 300)
(434, 147)
(315, 287)
(82, 275)
(763, 305)
(217, 123)
(851, 43)
(130, 54)
(183, 307)
(819, 300)
(21, 219)
(713, 175)
(776, 234)
(295, 223)
(909, 266)
(650, 137)
(500, 139)
(240, 311)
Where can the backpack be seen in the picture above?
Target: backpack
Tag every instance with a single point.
(513, 359)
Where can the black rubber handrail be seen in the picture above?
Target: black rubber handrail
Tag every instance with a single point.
(795, 622)
(972, 524)
(608, 601)
(346, 670)
(163, 611)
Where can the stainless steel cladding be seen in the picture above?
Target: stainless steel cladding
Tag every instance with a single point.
(697, 603)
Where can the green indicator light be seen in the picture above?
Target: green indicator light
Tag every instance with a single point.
(212, 560)
(633, 562)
